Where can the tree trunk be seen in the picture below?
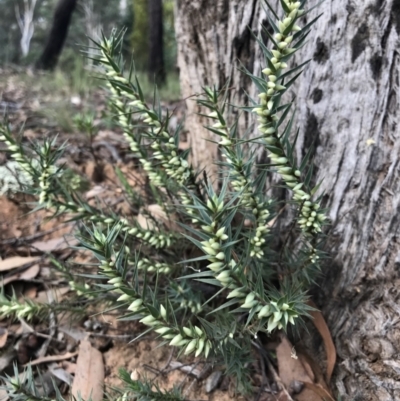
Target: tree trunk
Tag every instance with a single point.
(26, 24)
(156, 42)
(58, 33)
(347, 104)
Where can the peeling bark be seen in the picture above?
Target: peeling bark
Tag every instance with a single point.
(349, 94)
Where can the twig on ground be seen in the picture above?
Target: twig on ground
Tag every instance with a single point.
(52, 327)
(28, 238)
(36, 333)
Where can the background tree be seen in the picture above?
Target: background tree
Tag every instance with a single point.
(140, 33)
(349, 108)
(153, 37)
(58, 33)
(12, 20)
(156, 42)
(26, 24)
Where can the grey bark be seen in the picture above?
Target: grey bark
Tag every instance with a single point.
(347, 98)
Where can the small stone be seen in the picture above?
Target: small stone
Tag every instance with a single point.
(296, 387)
(213, 381)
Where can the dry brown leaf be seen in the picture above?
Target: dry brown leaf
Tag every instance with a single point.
(89, 376)
(322, 327)
(55, 244)
(69, 367)
(290, 368)
(3, 395)
(53, 294)
(52, 358)
(3, 336)
(61, 374)
(15, 262)
(158, 214)
(27, 274)
(319, 390)
(95, 191)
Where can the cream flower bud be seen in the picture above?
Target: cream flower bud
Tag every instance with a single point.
(225, 142)
(163, 312)
(191, 347)
(250, 297)
(124, 297)
(265, 311)
(236, 293)
(178, 338)
(215, 266)
(287, 21)
(277, 316)
(223, 276)
(135, 305)
(200, 347)
(220, 232)
(148, 320)
(198, 331)
(162, 330)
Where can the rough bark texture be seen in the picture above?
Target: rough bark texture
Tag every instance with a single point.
(58, 34)
(348, 95)
(212, 35)
(156, 45)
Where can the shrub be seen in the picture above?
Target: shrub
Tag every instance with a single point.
(205, 274)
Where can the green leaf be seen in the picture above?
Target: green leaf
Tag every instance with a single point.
(301, 41)
(306, 158)
(210, 281)
(292, 81)
(284, 114)
(289, 28)
(207, 273)
(286, 132)
(271, 9)
(315, 189)
(309, 175)
(140, 92)
(312, 8)
(224, 306)
(294, 69)
(285, 7)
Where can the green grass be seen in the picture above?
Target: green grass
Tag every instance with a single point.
(54, 90)
(171, 91)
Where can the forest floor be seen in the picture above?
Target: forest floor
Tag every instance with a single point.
(29, 240)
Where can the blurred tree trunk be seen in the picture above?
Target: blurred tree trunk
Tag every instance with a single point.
(156, 42)
(26, 24)
(58, 33)
(348, 104)
(93, 29)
